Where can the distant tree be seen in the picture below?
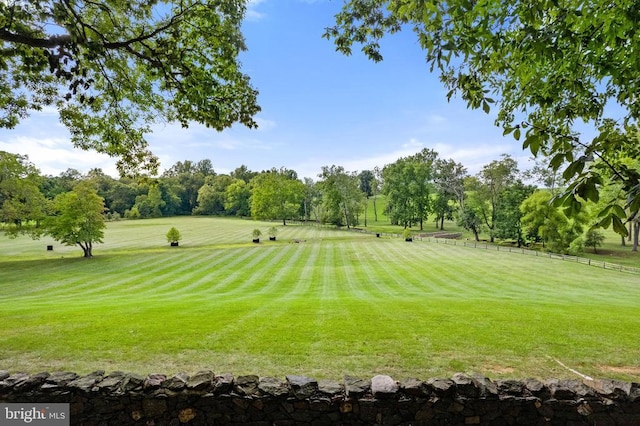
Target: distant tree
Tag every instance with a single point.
(276, 195)
(508, 218)
(150, 204)
(22, 205)
(408, 185)
(342, 198)
(111, 68)
(78, 218)
(237, 198)
(376, 188)
(184, 179)
(312, 199)
(495, 178)
(366, 178)
(550, 178)
(366, 186)
(594, 238)
(243, 173)
(470, 220)
(64, 182)
(550, 223)
(121, 196)
(448, 179)
(212, 195)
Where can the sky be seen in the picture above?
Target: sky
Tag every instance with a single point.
(319, 108)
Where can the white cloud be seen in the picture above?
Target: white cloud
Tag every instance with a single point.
(54, 155)
(265, 124)
(252, 13)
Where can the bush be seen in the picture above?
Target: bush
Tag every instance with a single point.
(576, 247)
(134, 213)
(257, 233)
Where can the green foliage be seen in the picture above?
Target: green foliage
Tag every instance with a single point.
(22, 205)
(342, 199)
(114, 68)
(594, 238)
(551, 224)
(448, 181)
(408, 185)
(469, 219)
(212, 196)
(508, 225)
(79, 218)
(134, 213)
(173, 236)
(273, 231)
(546, 66)
(237, 198)
(276, 194)
(256, 233)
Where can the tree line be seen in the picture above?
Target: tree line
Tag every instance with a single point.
(502, 201)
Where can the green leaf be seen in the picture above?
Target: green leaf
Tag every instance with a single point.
(516, 134)
(618, 226)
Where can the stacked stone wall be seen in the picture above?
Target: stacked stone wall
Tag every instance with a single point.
(209, 399)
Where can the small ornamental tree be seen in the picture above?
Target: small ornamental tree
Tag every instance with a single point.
(173, 236)
(593, 238)
(273, 231)
(256, 235)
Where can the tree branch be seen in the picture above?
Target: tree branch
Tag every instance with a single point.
(47, 43)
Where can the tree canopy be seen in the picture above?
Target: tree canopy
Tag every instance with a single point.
(548, 67)
(79, 218)
(112, 68)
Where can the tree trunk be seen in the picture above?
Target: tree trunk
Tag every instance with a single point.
(365, 211)
(475, 233)
(636, 233)
(623, 241)
(375, 210)
(346, 217)
(86, 249)
(284, 222)
(442, 223)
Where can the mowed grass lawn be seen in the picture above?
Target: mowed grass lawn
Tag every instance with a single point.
(336, 303)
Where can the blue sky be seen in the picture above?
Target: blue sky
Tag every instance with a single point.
(319, 108)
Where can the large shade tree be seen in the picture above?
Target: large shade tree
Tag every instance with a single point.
(79, 218)
(276, 194)
(408, 185)
(112, 68)
(547, 66)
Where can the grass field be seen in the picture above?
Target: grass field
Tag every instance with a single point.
(334, 303)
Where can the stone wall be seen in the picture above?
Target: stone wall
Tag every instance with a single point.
(209, 399)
